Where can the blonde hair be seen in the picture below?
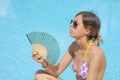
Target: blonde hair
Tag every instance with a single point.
(99, 40)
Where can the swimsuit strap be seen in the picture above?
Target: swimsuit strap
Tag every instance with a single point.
(90, 42)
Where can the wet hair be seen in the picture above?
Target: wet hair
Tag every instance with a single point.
(91, 22)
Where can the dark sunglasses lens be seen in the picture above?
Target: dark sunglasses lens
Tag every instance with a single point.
(75, 24)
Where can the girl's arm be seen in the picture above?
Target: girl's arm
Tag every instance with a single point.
(65, 61)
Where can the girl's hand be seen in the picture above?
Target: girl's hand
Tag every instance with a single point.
(38, 58)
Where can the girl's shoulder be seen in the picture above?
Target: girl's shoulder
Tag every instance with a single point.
(97, 52)
(72, 48)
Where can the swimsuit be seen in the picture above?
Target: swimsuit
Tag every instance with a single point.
(83, 70)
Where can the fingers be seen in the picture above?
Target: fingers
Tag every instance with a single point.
(34, 53)
(37, 57)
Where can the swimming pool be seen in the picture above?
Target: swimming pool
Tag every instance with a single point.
(18, 17)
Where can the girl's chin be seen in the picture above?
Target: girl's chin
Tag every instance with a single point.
(72, 36)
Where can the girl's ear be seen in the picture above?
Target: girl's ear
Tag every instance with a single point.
(87, 31)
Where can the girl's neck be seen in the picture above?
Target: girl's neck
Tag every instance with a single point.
(82, 43)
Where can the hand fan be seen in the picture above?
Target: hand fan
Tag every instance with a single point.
(46, 45)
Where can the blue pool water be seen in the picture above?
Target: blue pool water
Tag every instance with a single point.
(18, 17)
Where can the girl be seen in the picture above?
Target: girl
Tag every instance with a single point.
(89, 61)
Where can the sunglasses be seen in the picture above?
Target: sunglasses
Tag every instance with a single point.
(74, 24)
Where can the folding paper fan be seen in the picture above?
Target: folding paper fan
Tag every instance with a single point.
(46, 45)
